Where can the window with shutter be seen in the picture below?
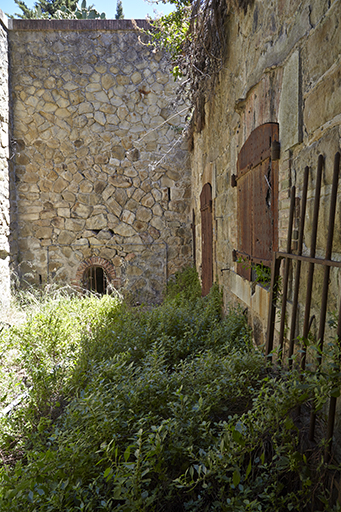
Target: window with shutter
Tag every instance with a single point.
(257, 192)
(206, 238)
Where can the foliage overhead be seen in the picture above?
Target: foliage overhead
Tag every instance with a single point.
(43, 7)
(58, 9)
(119, 11)
(195, 35)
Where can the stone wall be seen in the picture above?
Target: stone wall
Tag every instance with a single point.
(99, 166)
(282, 65)
(4, 156)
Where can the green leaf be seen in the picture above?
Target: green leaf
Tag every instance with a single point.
(236, 477)
(248, 470)
(127, 454)
(107, 472)
(335, 393)
(238, 438)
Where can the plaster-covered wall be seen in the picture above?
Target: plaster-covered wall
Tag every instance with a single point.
(4, 156)
(282, 65)
(99, 166)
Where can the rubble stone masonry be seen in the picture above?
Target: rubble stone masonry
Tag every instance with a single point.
(99, 167)
(4, 155)
(282, 66)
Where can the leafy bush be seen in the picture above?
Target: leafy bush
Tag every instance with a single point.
(184, 285)
(168, 409)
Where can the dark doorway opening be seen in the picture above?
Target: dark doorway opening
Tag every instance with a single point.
(95, 280)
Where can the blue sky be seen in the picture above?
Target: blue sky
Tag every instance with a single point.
(137, 9)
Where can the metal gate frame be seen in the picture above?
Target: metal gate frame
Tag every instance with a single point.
(326, 262)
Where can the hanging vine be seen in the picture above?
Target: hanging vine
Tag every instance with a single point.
(195, 37)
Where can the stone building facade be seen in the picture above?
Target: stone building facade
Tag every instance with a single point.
(99, 173)
(4, 159)
(282, 73)
(99, 177)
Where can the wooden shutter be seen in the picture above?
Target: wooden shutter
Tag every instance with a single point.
(207, 238)
(257, 185)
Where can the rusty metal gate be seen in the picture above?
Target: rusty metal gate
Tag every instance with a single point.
(206, 238)
(95, 279)
(257, 184)
(288, 257)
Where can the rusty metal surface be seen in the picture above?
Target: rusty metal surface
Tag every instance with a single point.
(95, 279)
(262, 235)
(206, 238)
(245, 224)
(332, 403)
(194, 239)
(287, 268)
(312, 255)
(257, 185)
(257, 148)
(327, 262)
(328, 254)
(298, 265)
(275, 267)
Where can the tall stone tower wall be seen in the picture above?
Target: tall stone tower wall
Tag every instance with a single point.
(101, 171)
(4, 159)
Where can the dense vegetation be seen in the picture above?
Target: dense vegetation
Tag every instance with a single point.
(163, 409)
(60, 9)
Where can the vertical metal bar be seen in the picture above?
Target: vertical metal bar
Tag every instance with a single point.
(95, 274)
(328, 255)
(329, 248)
(332, 403)
(276, 262)
(312, 255)
(298, 265)
(286, 271)
(193, 238)
(333, 199)
(47, 264)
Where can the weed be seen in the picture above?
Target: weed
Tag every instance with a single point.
(146, 410)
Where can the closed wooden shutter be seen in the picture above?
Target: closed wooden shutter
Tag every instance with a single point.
(257, 185)
(207, 238)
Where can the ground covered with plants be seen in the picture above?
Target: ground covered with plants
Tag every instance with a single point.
(162, 409)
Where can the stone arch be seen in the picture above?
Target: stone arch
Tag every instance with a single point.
(97, 261)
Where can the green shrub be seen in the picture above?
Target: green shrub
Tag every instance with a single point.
(167, 409)
(184, 285)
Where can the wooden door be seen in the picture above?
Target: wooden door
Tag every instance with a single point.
(206, 238)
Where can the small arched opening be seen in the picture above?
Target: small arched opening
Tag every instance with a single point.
(98, 275)
(95, 279)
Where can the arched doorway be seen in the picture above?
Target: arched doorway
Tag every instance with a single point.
(206, 238)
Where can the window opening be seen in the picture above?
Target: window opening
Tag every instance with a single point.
(95, 280)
